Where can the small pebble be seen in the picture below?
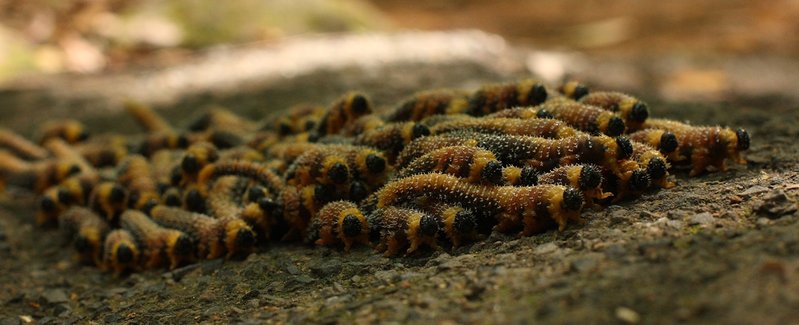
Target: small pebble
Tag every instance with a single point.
(627, 315)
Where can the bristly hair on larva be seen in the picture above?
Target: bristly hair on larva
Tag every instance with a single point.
(121, 253)
(429, 103)
(396, 228)
(664, 141)
(86, 231)
(475, 165)
(157, 243)
(393, 137)
(496, 97)
(458, 224)
(574, 89)
(339, 222)
(584, 117)
(344, 111)
(247, 169)
(545, 128)
(214, 237)
(632, 110)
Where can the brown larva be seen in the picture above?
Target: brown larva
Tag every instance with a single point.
(654, 162)
(392, 138)
(344, 111)
(339, 222)
(586, 177)
(474, 164)
(218, 118)
(120, 252)
(21, 146)
(105, 152)
(428, 103)
(296, 119)
(147, 118)
(318, 166)
(108, 199)
(69, 130)
(545, 128)
(363, 124)
(665, 141)
(574, 89)
(197, 156)
(584, 117)
(86, 231)
(492, 98)
(213, 237)
(423, 145)
(458, 223)
(397, 228)
(247, 169)
(135, 174)
(157, 243)
(632, 110)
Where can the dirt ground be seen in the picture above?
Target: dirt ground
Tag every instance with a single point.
(719, 248)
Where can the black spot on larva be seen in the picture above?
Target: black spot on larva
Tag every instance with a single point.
(256, 193)
(572, 199)
(82, 245)
(284, 128)
(668, 142)
(309, 125)
(528, 177)
(117, 194)
(590, 177)
(245, 238)
(184, 246)
(542, 113)
(375, 164)
(73, 169)
(172, 200)
(579, 92)
(420, 130)
(323, 194)
(124, 254)
(428, 226)
(640, 180)
(338, 173)
(537, 95)
(360, 104)
(358, 191)
(351, 226)
(615, 126)
(83, 135)
(183, 141)
(656, 168)
(639, 112)
(201, 123)
(64, 196)
(465, 222)
(743, 139)
(492, 172)
(190, 164)
(149, 206)
(195, 201)
(268, 205)
(225, 139)
(175, 176)
(625, 148)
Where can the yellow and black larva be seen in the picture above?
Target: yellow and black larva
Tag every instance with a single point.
(574, 89)
(632, 110)
(20, 146)
(318, 166)
(422, 146)
(344, 111)
(69, 130)
(64, 152)
(396, 228)
(545, 128)
(520, 176)
(631, 180)
(339, 222)
(492, 98)
(392, 138)
(109, 200)
(475, 165)
(363, 124)
(654, 163)
(457, 223)
(160, 135)
(120, 252)
(533, 208)
(135, 174)
(36, 176)
(158, 245)
(665, 141)
(584, 117)
(428, 103)
(213, 237)
(705, 146)
(106, 152)
(251, 170)
(299, 205)
(296, 119)
(587, 178)
(196, 157)
(86, 231)
(218, 118)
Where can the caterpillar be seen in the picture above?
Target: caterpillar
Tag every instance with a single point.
(392, 137)
(69, 130)
(654, 162)
(194, 199)
(120, 251)
(86, 231)
(545, 128)
(339, 222)
(632, 110)
(496, 97)
(300, 205)
(665, 141)
(197, 156)
(705, 146)
(457, 223)
(147, 118)
(474, 164)
(533, 208)
(524, 113)
(213, 237)
(584, 117)
(296, 119)
(64, 152)
(363, 124)
(631, 181)
(343, 112)
(251, 170)
(157, 243)
(429, 103)
(224, 198)
(105, 152)
(241, 153)
(574, 89)
(218, 118)
(72, 191)
(50, 207)
(587, 178)
(37, 176)
(109, 200)
(364, 163)
(164, 140)
(21, 146)
(318, 166)
(397, 228)
(137, 176)
(519, 176)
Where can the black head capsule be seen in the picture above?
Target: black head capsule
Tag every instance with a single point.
(194, 201)
(743, 139)
(338, 173)
(639, 112)
(358, 191)
(668, 143)
(124, 254)
(309, 125)
(190, 164)
(184, 246)
(528, 177)
(268, 206)
(117, 194)
(640, 180)
(428, 226)
(73, 169)
(47, 204)
(537, 95)
(656, 168)
(359, 104)
(82, 245)
(590, 177)
(615, 126)
(351, 226)
(149, 206)
(83, 135)
(492, 172)
(64, 196)
(285, 129)
(465, 222)
(172, 199)
(579, 92)
(420, 130)
(183, 141)
(245, 238)
(542, 113)
(572, 199)
(256, 193)
(625, 150)
(375, 164)
(323, 194)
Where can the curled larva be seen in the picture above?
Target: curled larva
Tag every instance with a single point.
(665, 141)
(705, 146)
(474, 164)
(247, 169)
(632, 110)
(86, 231)
(157, 243)
(135, 174)
(584, 117)
(69, 130)
(428, 103)
(213, 237)
(392, 138)
(318, 166)
(654, 163)
(343, 112)
(534, 208)
(21, 146)
(458, 223)
(121, 253)
(573, 89)
(339, 222)
(109, 200)
(496, 97)
(397, 228)
(545, 128)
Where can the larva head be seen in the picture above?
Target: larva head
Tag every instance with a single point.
(116, 194)
(65, 196)
(590, 177)
(657, 168)
(534, 93)
(255, 193)
(89, 240)
(179, 244)
(322, 193)
(194, 201)
(492, 172)
(125, 253)
(336, 170)
(358, 191)
(624, 148)
(172, 197)
(528, 176)
(639, 180)
(357, 105)
(638, 110)
(543, 113)
(574, 90)
(572, 199)
(742, 139)
(375, 163)
(120, 249)
(465, 222)
(197, 156)
(418, 130)
(353, 223)
(49, 202)
(615, 126)
(74, 131)
(428, 226)
(668, 143)
(239, 237)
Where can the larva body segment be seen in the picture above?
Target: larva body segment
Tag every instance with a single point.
(574, 89)
(86, 231)
(524, 113)
(147, 118)
(457, 223)
(218, 118)
(585, 177)
(21, 146)
(425, 104)
(109, 200)
(584, 117)
(37, 176)
(632, 180)
(213, 237)
(120, 252)
(136, 175)
(422, 146)
(475, 165)
(665, 141)
(392, 138)
(68, 130)
(363, 124)
(247, 169)
(153, 142)
(343, 112)
(225, 197)
(241, 153)
(520, 176)
(705, 146)
(545, 128)
(632, 110)
(296, 119)
(654, 163)
(196, 157)
(497, 97)
(364, 163)
(157, 243)
(339, 222)
(318, 166)
(104, 153)
(397, 228)
(66, 153)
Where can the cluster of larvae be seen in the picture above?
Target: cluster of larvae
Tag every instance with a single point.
(440, 169)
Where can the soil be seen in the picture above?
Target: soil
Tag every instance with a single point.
(723, 247)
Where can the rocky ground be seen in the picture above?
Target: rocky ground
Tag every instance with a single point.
(722, 247)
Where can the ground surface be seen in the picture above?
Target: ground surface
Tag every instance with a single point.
(723, 247)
